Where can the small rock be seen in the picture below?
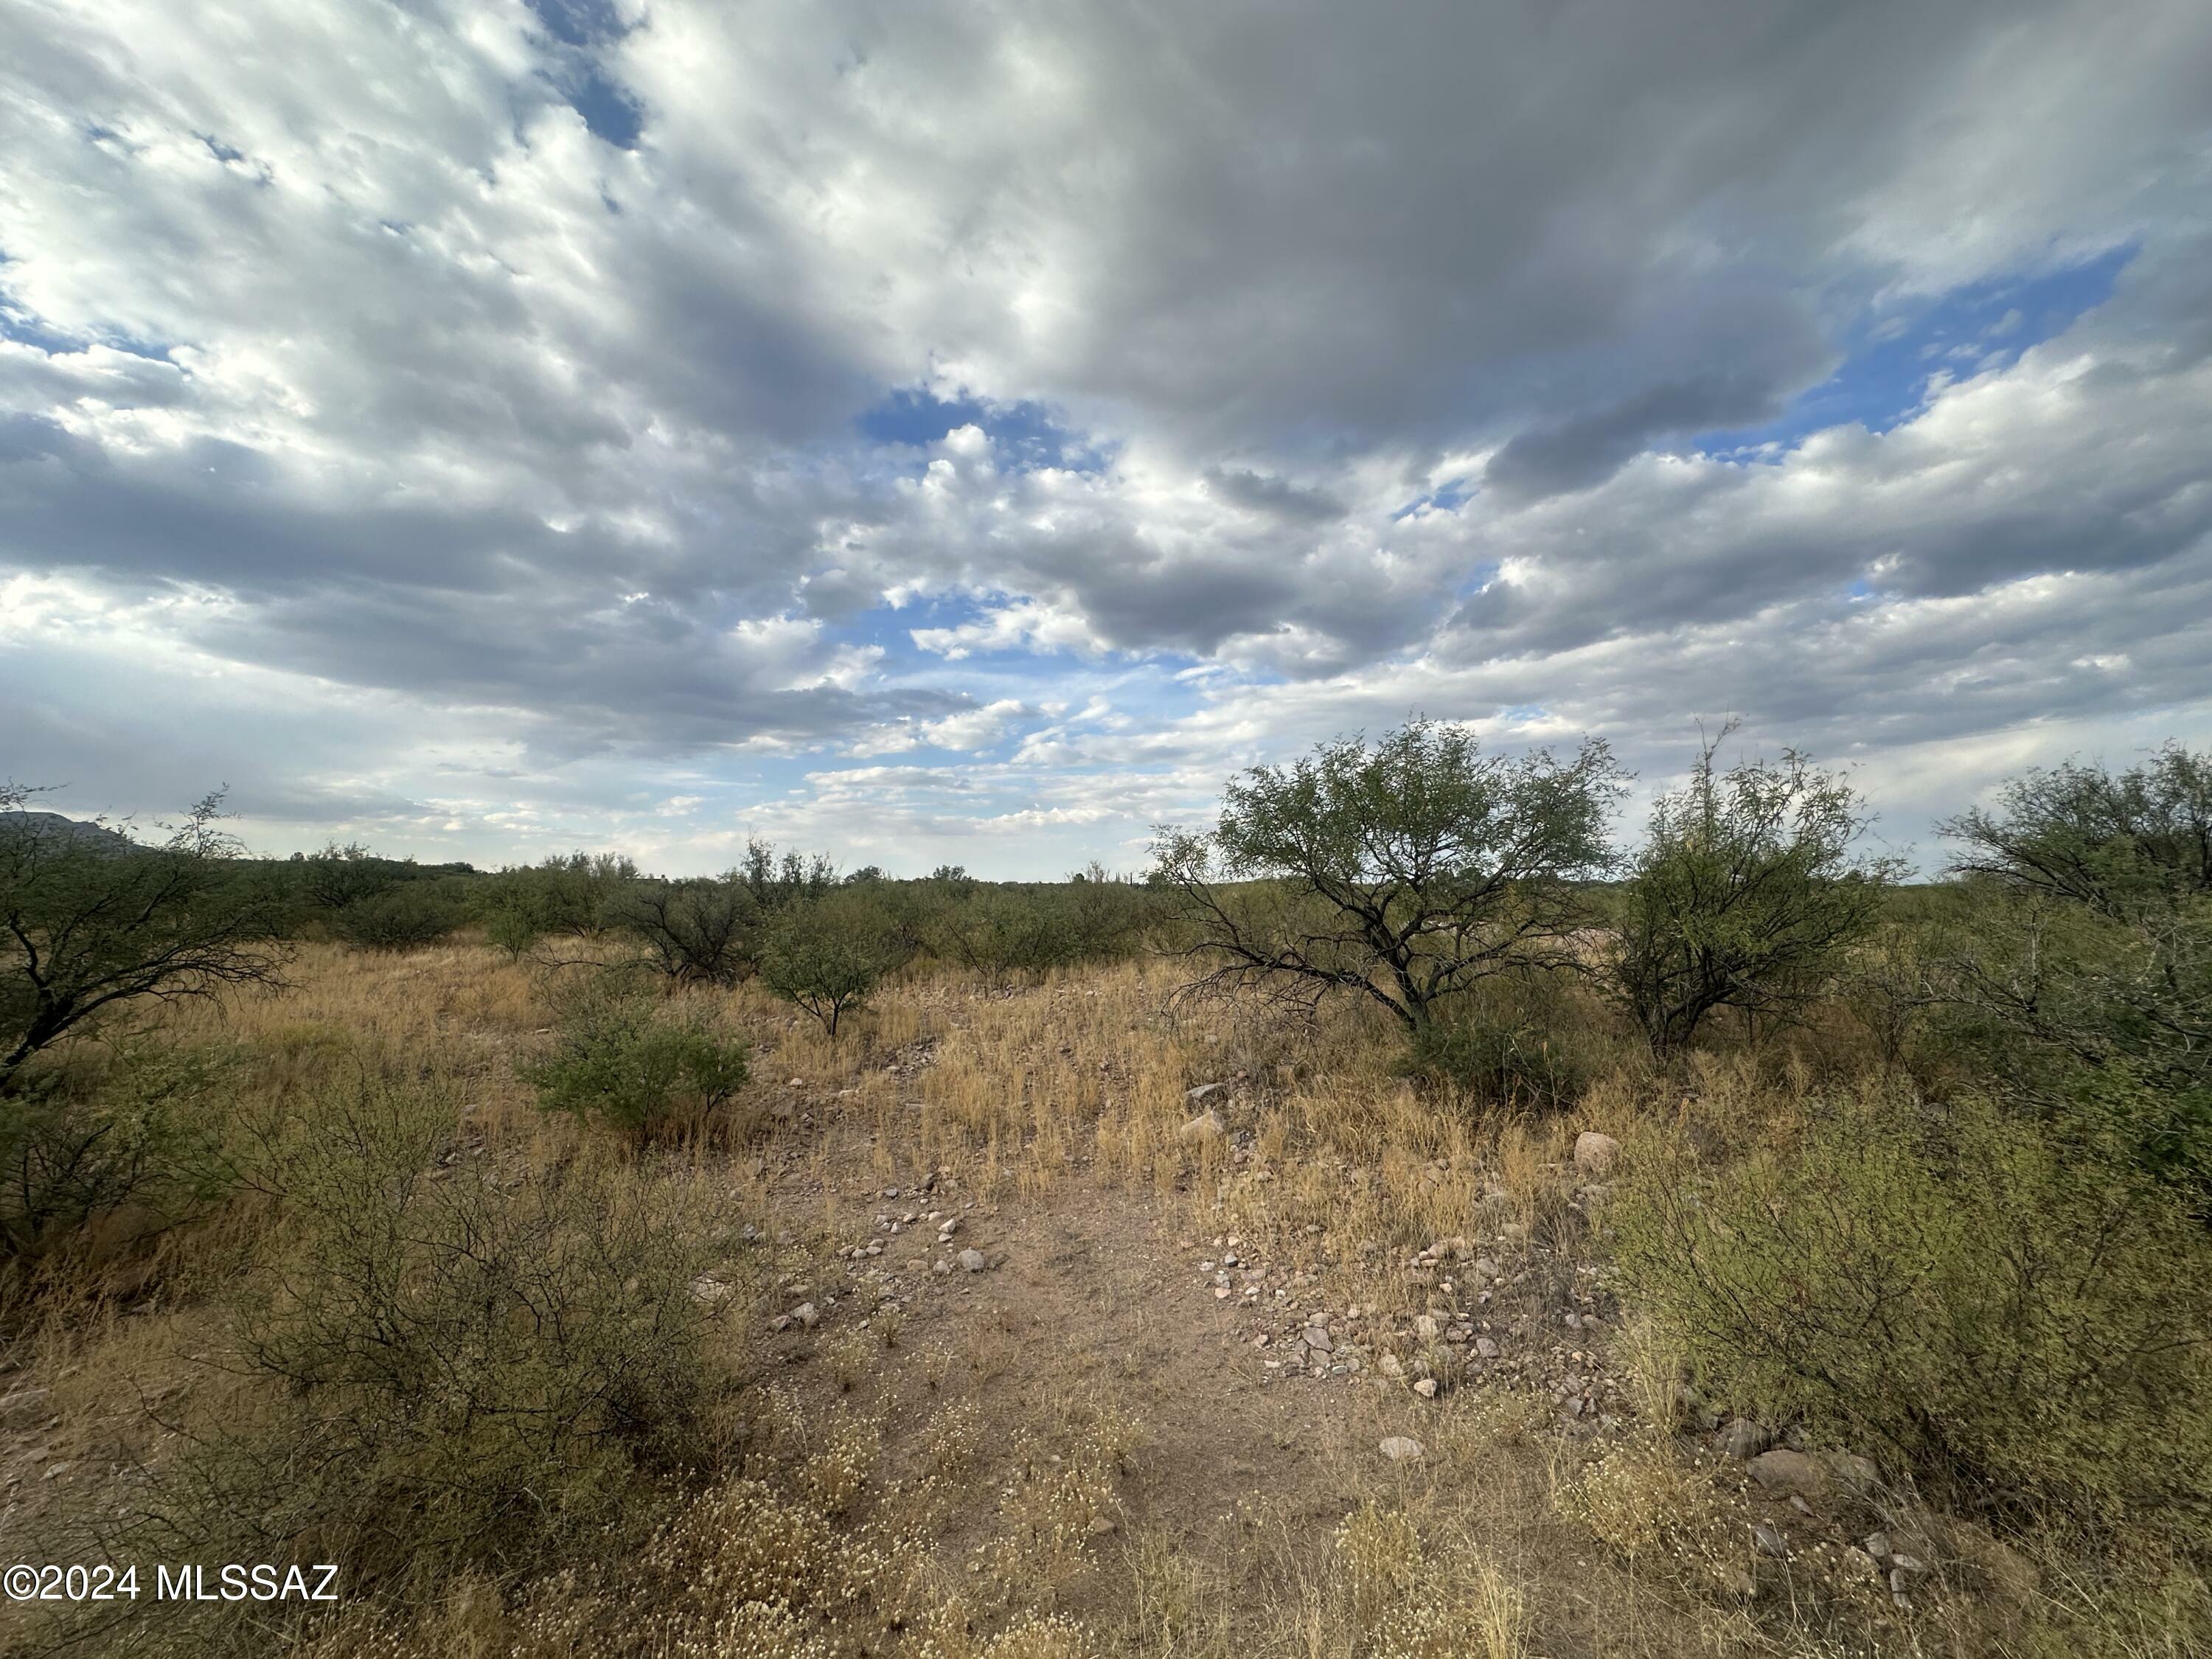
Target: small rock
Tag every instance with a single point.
(1485, 1348)
(1905, 1562)
(1770, 1541)
(1877, 1546)
(1785, 1471)
(1425, 1327)
(1595, 1154)
(1206, 1126)
(973, 1260)
(1486, 1268)
(1318, 1338)
(1101, 1525)
(1426, 1388)
(781, 1323)
(1401, 1449)
(1204, 1091)
(1744, 1439)
(805, 1313)
(1859, 1474)
(1389, 1366)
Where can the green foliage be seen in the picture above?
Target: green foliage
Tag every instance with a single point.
(1515, 1043)
(2089, 947)
(2002, 1309)
(1746, 895)
(695, 933)
(775, 881)
(1409, 871)
(445, 1362)
(86, 928)
(405, 917)
(624, 1056)
(112, 1157)
(338, 876)
(1006, 930)
(571, 894)
(827, 955)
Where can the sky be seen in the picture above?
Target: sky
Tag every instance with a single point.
(971, 432)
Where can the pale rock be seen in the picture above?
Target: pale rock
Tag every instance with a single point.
(1402, 1449)
(1596, 1153)
(1784, 1471)
(1426, 1388)
(805, 1314)
(973, 1260)
(1206, 1126)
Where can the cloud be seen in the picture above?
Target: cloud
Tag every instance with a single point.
(520, 417)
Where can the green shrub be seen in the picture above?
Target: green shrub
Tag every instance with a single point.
(90, 926)
(695, 933)
(2007, 1312)
(1527, 1046)
(112, 1160)
(446, 1363)
(626, 1057)
(828, 955)
(1746, 895)
(406, 917)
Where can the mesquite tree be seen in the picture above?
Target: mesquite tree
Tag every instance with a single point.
(1406, 870)
(90, 923)
(1744, 896)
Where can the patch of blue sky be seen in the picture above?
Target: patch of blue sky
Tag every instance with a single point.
(1448, 497)
(26, 327)
(1026, 436)
(1892, 352)
(582, 27)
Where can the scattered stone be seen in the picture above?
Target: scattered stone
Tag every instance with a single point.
(1785, 1471)
(1877, 1546)
(1485, 1348)
(1390, 1366)
(1425, 1327)
(1102, 1525)
(1486, 1268)
(1770, 1541)
(1316, 1338)
(1206, 1126)
(805, 1313)
(973, 1260)
(781, 1323)
(1204, 1093)
(1426, 1388)
(1907, 1563)
(1401, 1449)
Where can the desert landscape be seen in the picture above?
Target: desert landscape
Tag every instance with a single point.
(790, 1264)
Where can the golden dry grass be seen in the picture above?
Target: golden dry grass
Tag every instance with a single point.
(959, 1476)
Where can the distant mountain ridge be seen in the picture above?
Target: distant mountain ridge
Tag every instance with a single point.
(73, 830)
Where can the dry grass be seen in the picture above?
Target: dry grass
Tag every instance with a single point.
(944, 1476)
